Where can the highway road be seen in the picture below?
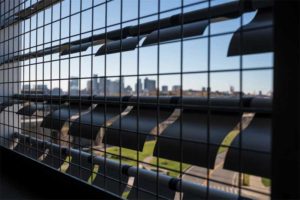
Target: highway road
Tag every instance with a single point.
(226, 180)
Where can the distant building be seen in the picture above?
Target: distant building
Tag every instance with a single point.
(149, 85)
(231, 89)
(95, 85)
(112, 87)
(139, 86)
(37, 89)
(89, 87)
(176, 88)
(26, 89)
(128, 90)
(84, 92)
(41, 89)
(164, 88)
(108, 87)
(74, 86)
(74, 92)
(101, 85)
(122, 84)
(74, 83)
(57, 91)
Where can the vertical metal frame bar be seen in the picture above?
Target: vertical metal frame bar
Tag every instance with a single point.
(286, 106)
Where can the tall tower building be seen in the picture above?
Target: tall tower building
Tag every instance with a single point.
(149, 85)
(139, 86)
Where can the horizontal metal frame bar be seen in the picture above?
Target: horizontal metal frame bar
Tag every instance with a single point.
(218, 104)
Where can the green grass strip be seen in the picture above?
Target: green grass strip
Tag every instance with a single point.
(63, 168)
(94, 174)
(266, 182)
(228, 140)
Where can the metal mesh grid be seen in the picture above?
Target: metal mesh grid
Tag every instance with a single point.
(108, 97)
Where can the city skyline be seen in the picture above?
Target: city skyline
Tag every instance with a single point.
(147, 87)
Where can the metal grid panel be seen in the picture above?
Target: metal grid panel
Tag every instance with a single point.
(143, 99)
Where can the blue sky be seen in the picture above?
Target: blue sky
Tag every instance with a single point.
(196, 57)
